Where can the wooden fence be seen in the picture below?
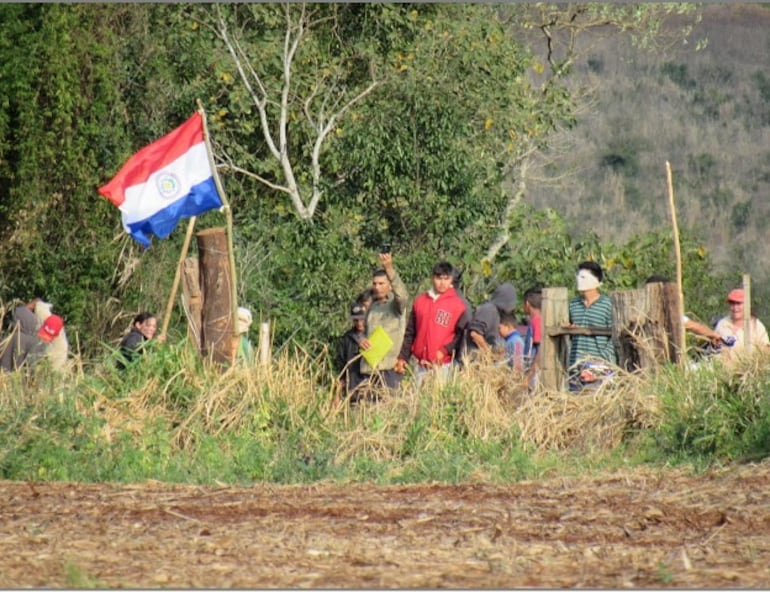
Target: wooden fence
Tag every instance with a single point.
(646, 330)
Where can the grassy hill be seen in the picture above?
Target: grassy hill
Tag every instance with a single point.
(706, 112)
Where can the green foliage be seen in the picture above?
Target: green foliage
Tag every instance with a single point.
(409, 164)
(679, 75)
(77, 579)
(714, 413)
(76, 82)
(542, 252)
(420, 161)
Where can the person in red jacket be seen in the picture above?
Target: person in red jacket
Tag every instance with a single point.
(436, 325)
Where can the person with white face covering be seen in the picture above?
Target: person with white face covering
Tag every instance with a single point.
(590, 309)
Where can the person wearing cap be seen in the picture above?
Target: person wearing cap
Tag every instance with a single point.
(732, 326)
(143, 328)
(387, 310)
(58, 349)
(590, 309)
(244, 349)
(348, 356)
(28, 342)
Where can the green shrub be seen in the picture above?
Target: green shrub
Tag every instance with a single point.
(715, 413)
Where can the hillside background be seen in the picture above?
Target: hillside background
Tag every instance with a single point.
(707, 112)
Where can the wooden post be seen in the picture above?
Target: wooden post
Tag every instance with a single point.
(646, 326)
(264, 343)
(192, 300)
(747, 312)
(666, 324)
(217, 287)
(629, 317)
(229, 217)
(553, 357)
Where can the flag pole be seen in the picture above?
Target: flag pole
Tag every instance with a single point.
(678, 252)
(229, 218)
(177, 278)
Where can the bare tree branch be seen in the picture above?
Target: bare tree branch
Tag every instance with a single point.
(328, 96)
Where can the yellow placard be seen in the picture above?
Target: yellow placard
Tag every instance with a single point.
(380, 344)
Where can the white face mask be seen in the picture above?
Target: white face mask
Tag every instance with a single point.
(586, 281)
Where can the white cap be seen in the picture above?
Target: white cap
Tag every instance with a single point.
(244, 319)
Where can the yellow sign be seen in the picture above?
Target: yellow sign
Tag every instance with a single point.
(379, 346)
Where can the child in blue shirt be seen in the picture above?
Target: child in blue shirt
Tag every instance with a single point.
(513, 342)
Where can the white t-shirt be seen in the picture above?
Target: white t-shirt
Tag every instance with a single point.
(725, 327)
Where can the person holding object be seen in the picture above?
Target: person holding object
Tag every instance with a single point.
(731, 326)
(387, 310)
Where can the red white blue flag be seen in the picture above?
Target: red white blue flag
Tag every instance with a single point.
(164, 182)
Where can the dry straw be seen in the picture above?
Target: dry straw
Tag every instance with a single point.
(482, 402)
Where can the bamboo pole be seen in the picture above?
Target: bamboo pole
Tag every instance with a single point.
(678, 252)
(177, 278)
(229, 217)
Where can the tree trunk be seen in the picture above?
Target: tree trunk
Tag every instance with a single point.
(217, 287)
(663, 311)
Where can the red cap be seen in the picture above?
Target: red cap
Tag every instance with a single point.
(51, 328)
(736, 295)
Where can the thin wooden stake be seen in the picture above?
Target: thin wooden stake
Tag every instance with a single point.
(678, 252)
(177, 277)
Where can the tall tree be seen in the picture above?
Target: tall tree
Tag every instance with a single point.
(83, 86)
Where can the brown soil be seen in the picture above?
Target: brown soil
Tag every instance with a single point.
(642, 528)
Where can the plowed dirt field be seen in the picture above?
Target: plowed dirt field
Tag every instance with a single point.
(644, 528)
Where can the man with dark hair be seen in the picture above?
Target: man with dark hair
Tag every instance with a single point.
(435, 327)
(387, 310)
(590, 309)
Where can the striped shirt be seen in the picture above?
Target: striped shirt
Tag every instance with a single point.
(598, 314)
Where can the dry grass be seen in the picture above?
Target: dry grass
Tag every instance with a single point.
(482, 403)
